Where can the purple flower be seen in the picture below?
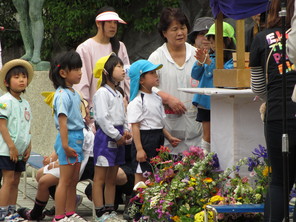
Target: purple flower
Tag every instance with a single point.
(261, 152)
(146, 174)
(252, 163)
(157, 178)
(216, 163)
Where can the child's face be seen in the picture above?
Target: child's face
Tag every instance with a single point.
(201, 41)
(18, 83)
(71, 76)
(118, 73)
(212, 44)
(150, 79)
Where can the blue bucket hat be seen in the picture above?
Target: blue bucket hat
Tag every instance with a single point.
(136, 70)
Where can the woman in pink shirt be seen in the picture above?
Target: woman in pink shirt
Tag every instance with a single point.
(102, 44)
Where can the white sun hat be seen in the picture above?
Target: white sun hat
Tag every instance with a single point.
(109, 16)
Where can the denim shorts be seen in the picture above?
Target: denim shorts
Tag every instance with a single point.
(75, 141)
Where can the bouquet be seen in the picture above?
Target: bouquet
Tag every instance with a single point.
(181, 186)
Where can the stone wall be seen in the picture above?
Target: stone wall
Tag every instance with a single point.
(43, 129)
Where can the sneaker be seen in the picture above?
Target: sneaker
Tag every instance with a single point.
(103, 218)
(50, 212)
(65, 219)
(13, 217)
(114, 218)
(78, 200)
(26, 214)
(3, 214)
(76, 218)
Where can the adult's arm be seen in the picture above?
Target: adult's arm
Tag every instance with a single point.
(87, 73)
(173, 102)
(258, 82)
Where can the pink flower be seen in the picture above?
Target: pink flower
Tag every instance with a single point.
(245, 179)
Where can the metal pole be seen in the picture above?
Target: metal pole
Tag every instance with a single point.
(285, 138)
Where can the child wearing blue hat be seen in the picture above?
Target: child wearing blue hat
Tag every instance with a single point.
(145, 114)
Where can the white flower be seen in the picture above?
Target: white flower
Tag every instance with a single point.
(140, 184)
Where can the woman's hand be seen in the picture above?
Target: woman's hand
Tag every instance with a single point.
(174, 141)
(176, 105)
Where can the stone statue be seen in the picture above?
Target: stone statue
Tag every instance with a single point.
(31, 27)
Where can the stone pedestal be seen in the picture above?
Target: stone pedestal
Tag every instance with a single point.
(43, 129)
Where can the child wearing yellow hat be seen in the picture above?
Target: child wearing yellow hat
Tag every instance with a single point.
(15, 136)
(112, 133)
(203, 69)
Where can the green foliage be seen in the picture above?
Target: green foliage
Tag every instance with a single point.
(67, 23)
(10, 36)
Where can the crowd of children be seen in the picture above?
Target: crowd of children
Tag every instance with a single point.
(117, 124)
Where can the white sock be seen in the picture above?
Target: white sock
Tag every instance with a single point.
(205, 146)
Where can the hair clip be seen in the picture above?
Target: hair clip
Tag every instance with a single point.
(58, 65)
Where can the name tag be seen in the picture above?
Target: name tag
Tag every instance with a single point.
(112, 144)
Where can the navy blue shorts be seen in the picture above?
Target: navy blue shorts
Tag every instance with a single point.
(151, 140)
(203, 115)
(7, 164)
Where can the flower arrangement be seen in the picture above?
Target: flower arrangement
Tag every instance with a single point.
(180, 187)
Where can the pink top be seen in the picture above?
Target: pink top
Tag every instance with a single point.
(90, 52)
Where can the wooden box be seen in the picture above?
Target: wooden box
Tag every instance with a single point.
(232, 78)
(240, 76)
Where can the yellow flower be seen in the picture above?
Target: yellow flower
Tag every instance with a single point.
(216, 199)
(199, 217)
(176, 218)
(265, 171)
(208, 180)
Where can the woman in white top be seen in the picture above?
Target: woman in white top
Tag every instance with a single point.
(102, 44)
(177, 58)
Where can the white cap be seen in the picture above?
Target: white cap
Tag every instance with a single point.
(109, 16)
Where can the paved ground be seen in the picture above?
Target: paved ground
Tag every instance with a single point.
(85, 209)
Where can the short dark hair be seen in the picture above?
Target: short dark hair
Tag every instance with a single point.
(66, 60)
(168, 15)
(109, 67)
(15, 71)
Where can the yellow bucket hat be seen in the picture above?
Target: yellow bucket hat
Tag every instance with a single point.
(99, 68)
(11, 64)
